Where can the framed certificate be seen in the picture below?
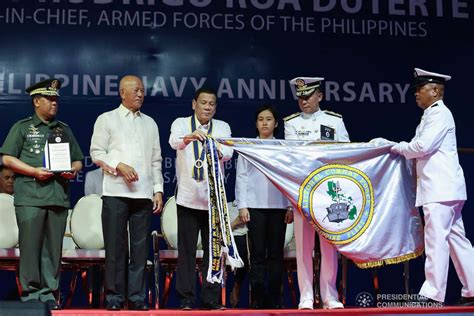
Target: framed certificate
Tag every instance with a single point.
(57, 155)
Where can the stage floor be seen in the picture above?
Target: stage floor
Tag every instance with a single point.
(262, 312)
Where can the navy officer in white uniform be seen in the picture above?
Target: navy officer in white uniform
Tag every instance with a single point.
(312, 123)
(441, 190)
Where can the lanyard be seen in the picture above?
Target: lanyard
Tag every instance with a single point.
(198, 173)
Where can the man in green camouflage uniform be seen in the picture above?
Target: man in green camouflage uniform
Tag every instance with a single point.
(41, 196)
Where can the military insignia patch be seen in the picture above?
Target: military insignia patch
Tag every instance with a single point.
(57, 135)
(327, 132)
(340, 201)
(300, 83)
(33, 130)
(33, 135)
(54, 85)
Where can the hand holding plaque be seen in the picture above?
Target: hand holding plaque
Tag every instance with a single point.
(57, 155)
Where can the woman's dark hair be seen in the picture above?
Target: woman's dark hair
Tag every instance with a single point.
(267, 107)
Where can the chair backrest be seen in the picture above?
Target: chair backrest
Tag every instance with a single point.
(169, 225)
(68, 243)
(8, 224)
(290, 237)
(86, 223)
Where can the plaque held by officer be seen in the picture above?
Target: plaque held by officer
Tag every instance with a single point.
(57, 156)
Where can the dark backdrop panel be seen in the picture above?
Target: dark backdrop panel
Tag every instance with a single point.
(247, 50)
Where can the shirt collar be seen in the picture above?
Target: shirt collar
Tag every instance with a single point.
(437, 103)
(37, 121)
(201, 126)
(126, 112)
(312, 115)
(318, 113)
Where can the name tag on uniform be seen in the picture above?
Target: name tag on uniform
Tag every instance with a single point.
(303, 133)
(327, 133)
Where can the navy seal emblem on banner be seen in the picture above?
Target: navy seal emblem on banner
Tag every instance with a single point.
(338, 201)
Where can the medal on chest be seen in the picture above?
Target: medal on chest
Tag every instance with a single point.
(35, 140)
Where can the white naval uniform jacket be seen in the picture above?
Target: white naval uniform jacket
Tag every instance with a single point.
(439, 176)
(301, 126)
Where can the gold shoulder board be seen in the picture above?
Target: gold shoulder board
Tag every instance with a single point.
(332, 113)
(292, 116)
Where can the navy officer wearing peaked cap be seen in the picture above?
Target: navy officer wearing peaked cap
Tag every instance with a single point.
(41, 196)
(440, 190)
(314, 124)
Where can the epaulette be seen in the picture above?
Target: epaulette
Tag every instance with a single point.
(292, 116)
(332, 113)
(26, 119)
(62, 123)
